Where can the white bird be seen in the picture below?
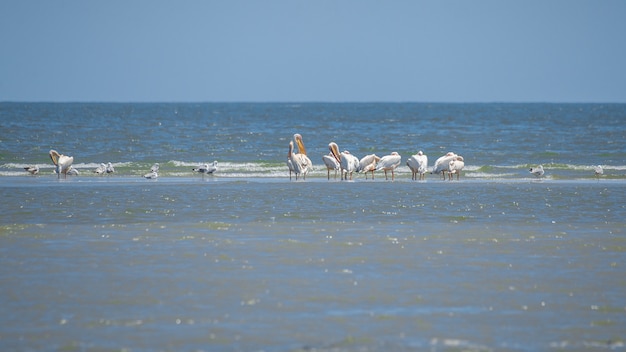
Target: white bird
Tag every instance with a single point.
(72, 171)
(206, 168)
(418, 164)
(368, 164)
(100, 169)
(348, 162)
(154, 172)
(537, 171)
(455, 166)
(442, 165)
(61, 162)
(33, 170)
(598, 171)
(331, 163)
(110, 168)
(151, 175)
(389, 162)
(300, 161)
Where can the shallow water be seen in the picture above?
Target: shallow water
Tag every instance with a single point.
(248, 260)
(222, 264)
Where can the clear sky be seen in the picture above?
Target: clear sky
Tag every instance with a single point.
(317, 50)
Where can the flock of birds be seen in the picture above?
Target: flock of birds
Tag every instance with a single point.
(347, 164)
(300, 164)
(63, 166)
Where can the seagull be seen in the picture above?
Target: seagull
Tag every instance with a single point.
(455, 166)
(598, 171)
(418, 164)
(100, 169)
(206, 168)
(61, 162)
(154, 172)
(537, 171)
(151, 175)
(33, 170)
(110, 168)
(72, 171)
(389, 162)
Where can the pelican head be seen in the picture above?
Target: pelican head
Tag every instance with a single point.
(334, 150)
(298, 138)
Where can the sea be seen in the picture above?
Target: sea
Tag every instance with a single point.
(251, 259)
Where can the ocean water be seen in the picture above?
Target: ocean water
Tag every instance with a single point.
(249, 260)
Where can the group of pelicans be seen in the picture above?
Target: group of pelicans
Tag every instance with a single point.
(300, 164)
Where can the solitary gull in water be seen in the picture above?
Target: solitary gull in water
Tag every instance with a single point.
(100, 169)
(154, 172)
(206, 168)
(33, 170)
(537, 171)
(598, 171)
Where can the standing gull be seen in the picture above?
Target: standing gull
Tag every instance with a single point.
(598, 171)
(110, 168)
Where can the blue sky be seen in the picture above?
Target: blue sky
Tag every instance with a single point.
(318, 50)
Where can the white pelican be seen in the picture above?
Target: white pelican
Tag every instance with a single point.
(389, 162)
(537, 171)
(206, 168)
(418, 164)
(331, 163)
(348, 162)
(33, 170)
(455, 166)
(100, 169)
(368, 164)
(110, 168)
(300, 161)
(155, 168)
(443, 164)
(61, 162)
(598, 171)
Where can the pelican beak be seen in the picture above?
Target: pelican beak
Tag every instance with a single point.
(54, 155)
(335, 150)
(301, 148)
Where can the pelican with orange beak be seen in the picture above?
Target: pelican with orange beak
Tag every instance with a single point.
(62, 163)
